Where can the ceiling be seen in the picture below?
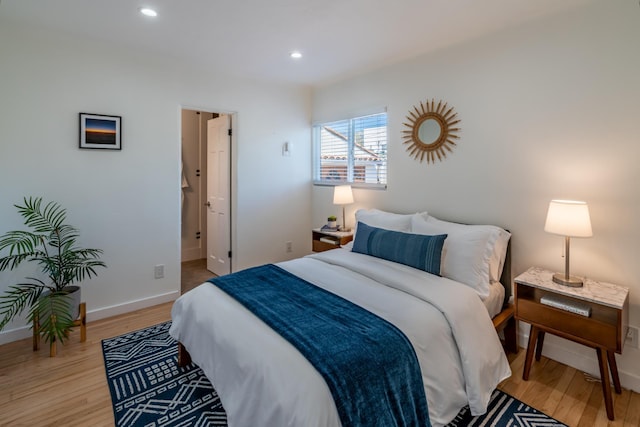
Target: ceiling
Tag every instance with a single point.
(253, 38)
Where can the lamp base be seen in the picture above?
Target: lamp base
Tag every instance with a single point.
(572, 281)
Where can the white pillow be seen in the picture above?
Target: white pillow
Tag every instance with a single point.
(348, 246)
(500, 253)
(498, 240)
(387, 220)
(471, 253)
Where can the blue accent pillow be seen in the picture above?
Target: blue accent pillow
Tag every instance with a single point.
(415, 250)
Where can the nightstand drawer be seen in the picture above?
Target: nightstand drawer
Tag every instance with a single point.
(319, 246)
(325, 240)
(593, 331)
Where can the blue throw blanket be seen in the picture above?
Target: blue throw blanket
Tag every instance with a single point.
(369, 365)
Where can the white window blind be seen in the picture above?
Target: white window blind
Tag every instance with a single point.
(352, 151)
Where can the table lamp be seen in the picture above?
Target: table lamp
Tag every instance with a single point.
(342, 195)
(568, 218)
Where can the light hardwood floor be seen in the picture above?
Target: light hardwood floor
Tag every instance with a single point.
(71, 389)
(569, 395)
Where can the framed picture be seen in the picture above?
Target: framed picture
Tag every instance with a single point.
(98, 131)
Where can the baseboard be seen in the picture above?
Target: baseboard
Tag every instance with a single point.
(16, 334)
(97, 314)
(585, 362)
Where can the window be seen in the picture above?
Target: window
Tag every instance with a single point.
(352, 151)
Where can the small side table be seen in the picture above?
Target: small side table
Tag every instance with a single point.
(80, 321)
(604, 329)
(326, 240)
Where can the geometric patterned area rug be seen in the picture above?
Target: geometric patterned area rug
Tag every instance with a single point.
(149, 389)
(505, 410)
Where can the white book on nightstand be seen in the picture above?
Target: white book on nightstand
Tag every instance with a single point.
(566, 304)
(330, 241)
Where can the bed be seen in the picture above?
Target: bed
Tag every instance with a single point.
(263, 380)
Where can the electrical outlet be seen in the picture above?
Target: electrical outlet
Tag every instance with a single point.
(632, 336)
(288, 246)
(158, 271)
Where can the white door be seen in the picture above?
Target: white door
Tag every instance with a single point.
(218, 203)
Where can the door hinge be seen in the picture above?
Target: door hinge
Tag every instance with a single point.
(197, 234)
(230, 132)
(229, 254)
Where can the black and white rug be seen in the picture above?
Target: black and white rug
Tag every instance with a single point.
(505, 410)
(149, 389)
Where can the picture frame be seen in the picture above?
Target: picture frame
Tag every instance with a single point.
(100, 132)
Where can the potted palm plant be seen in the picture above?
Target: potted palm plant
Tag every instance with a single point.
(52, 246)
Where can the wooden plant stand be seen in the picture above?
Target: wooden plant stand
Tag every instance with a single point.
(80, 321)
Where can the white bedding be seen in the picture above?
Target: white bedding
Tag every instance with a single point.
(263, 380)
(495, 300)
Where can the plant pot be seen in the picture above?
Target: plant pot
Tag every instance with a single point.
(74, 295)
(333, 224)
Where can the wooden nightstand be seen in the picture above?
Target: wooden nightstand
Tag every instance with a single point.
(325, 240)
(604, 329)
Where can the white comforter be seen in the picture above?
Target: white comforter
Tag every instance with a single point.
(263, 380)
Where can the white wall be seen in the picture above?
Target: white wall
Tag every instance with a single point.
(549, 110)
(128, 202)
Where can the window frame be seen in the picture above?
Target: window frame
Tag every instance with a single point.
(351, 167)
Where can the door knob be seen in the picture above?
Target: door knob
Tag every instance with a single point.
(208, 204)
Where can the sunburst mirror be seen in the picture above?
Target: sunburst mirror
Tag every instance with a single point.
(432, 131)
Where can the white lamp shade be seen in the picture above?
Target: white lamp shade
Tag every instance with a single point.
(568, 218)
(342, 195)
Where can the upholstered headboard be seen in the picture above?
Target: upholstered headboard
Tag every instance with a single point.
(506, 278)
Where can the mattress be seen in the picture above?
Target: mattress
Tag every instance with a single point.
(264, 380)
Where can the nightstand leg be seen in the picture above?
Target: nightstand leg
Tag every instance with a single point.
(533, 338)
(539, 345)
(604, 378)
(613, 367)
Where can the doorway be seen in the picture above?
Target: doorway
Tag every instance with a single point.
(205, 199)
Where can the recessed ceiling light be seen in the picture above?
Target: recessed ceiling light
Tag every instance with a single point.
(296, 55)
(148, 12)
